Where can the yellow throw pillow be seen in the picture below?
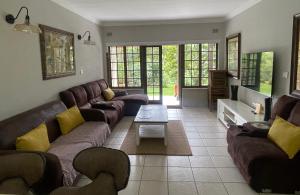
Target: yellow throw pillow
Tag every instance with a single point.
(108, 94)
(286, 136)
(69, 119)
(35, 140)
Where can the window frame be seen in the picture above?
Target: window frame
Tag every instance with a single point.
(109, 71)
(238, 36)
(295, 55)
(182, 63)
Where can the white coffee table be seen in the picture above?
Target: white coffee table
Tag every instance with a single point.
(151, 122)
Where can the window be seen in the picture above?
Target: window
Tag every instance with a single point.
(198, 60)
(295, 69)
(124, 67)
(133, 64)
(233, 50)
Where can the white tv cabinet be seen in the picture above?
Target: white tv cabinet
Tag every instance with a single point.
(236, 112)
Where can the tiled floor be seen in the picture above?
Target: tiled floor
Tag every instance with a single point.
(210, 171)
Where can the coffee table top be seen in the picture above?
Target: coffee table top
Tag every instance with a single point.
(152, 114)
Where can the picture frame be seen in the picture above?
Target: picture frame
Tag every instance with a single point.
(57, 53)
(233, 55)
(295, 77)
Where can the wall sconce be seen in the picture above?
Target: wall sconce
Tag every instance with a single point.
(88, 41)
(26, 26)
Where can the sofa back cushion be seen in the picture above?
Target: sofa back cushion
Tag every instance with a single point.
(20, 124)
(80, 95)
(103, 84)
(68, 98)
(295, 115)
(93, 91)
(283, 107)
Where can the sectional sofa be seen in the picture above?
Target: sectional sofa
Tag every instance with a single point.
(88, 95)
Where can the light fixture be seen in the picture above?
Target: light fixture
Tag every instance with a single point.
(26, 26)
(88, 41)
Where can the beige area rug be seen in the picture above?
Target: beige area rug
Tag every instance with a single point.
(178, 144)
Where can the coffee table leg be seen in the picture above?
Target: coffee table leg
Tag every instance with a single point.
(166, 134)
(137, 134)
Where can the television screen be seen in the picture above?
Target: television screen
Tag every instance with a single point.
(257, 71)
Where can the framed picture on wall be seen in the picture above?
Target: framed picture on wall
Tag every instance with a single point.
(233, 55)
(57, 53)
(295, 69)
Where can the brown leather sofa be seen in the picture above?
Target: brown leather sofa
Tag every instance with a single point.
(87, 95)
(58, 159)
(108, 169)
(265, 167)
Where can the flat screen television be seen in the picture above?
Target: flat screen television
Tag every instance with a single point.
(257, 71)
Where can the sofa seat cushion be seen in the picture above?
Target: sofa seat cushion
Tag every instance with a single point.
(134, 98)
(66, 147)
(260, 152)
(112, 117)
(119, 105)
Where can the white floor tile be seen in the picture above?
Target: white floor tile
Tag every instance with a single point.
(206, 175)
(201, 161)
(156, 160)
(222, 161)
(195, 142)
(153, 188)
(211, 188)
(155, 173)
(136, 172)
(239, 189)
(199, 151)
(182, 188)
(180, 174)
(178, 161)
(213, 135)
(137, 160)
(230, 175)
(131, 189)
(217, 151)
(215, 142)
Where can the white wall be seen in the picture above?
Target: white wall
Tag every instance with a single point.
(21, 83)
(171, 34)
(267, 26)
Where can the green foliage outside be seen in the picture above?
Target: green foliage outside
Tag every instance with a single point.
(170, 68)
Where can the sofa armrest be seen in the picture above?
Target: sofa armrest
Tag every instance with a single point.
(53, 176)
(94, 161)
(93, 115)
(29, 167)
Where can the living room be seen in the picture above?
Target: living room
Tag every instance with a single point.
(107, 62)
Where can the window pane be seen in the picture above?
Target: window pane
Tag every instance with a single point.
(208, 61)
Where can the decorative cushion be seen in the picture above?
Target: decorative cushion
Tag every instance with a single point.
(35, 140)
(108, 94)
(286, 136)
(69, 119)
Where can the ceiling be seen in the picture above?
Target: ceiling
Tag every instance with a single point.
(118, 12)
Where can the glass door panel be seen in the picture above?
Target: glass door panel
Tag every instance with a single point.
(154, 73)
